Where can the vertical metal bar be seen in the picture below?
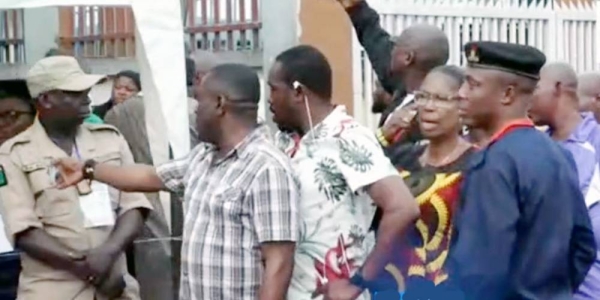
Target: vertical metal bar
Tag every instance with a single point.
(92, 31)
(217, 21)
(10, 26)
(80, 32)
(16, 29)
(120, 29)
(109, 29)
(4, 36)
(204, 18)
(243, 37)
(255, 37)
(126, 28)
(66, 26)
(191, 22)
(100, 32)
(229, 13)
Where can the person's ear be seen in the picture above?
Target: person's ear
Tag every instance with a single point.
(509, 95)
(410, 58)
(44, 100)
(220, 105)
(558, 86)
(298, 92)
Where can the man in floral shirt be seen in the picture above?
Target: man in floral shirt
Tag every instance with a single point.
(343, 175)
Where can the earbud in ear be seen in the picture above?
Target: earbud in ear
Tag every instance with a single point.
(296, 85)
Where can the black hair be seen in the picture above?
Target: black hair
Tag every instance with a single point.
(16, 89)
(307, 65)
(134, 76)
(237, 81)
(454, 72)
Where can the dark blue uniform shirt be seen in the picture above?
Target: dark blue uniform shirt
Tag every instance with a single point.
(522, 230)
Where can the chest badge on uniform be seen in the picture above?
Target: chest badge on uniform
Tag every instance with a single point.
(3, 179)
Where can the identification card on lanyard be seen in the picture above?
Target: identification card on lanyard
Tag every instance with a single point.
(96, 206)
(94, 201)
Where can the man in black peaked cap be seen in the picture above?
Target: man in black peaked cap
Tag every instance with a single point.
(522, 229)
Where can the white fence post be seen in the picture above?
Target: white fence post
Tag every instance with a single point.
(553, 47)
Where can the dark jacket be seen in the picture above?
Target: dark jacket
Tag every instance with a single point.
(102, 109)
(379, 46)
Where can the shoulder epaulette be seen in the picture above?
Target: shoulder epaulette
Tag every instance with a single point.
(21, 138)
(101, 127)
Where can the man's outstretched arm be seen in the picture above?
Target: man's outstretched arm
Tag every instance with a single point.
(376, 41)
(128, 177)
(131, 178)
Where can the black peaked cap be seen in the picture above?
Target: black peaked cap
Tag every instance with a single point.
(512, 58)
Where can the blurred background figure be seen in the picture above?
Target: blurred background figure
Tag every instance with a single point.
(16, 110)
(555, 104)
(16, 114)
(126, 84)
(589, 93)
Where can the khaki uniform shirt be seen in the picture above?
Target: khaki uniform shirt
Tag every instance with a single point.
(30, 200)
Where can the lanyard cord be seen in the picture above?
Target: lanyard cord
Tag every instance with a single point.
(75, 149)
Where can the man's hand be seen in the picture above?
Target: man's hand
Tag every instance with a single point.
(399, 120)
(113, 286)
(341, 289)
(100, 261)
(70, 172)
(80, 268)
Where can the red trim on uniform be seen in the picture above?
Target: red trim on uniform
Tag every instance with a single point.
(516, 124)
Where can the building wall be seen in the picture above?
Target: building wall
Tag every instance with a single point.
(326, 26)
(40, 31)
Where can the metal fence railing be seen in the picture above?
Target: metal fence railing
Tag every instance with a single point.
(214, 25)
(12, 46)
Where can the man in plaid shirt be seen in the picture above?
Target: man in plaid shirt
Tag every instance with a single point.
(240, 197)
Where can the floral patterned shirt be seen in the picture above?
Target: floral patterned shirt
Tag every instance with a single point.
(334, 163)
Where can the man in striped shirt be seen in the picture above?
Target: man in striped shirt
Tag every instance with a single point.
(240, 197)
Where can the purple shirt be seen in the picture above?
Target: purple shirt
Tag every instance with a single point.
(584, 145)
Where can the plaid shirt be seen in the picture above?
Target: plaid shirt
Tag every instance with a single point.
(231, 206)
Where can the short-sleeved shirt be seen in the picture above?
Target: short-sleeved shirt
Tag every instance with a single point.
(30, 200)
(335, 162)
(584, 144)
(232, 204)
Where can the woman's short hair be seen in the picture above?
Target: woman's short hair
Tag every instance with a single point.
(455, 72)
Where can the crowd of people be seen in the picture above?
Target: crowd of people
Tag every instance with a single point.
(456, 195)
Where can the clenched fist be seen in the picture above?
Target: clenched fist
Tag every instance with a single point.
(400, 119)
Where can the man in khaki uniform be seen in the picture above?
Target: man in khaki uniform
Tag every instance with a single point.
(72, 240)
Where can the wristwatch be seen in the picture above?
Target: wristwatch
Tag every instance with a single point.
(359, 281)
(88, 169)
